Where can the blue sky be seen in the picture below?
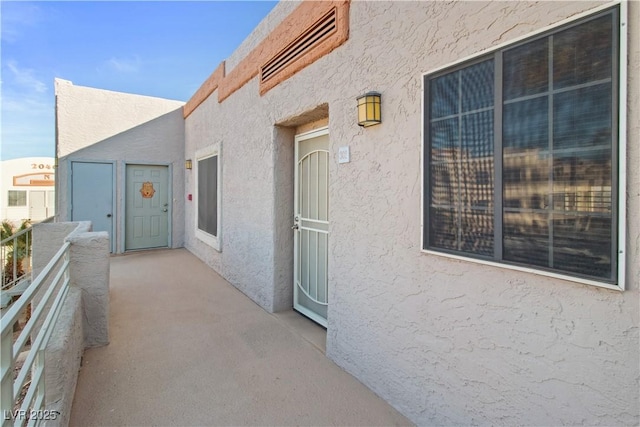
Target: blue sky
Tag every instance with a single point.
(163, 49)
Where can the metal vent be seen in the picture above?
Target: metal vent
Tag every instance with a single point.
(318, 32)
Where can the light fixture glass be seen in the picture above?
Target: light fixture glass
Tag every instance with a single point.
(188, 164)
(369, 112)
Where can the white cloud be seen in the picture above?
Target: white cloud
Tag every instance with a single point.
(25, 78)
(27, 112)
(20, 104)
(122, 65)
(16, 17)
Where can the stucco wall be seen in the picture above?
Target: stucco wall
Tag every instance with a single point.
(444, 341)
(83, 318)
(262, 30)
(100, 125)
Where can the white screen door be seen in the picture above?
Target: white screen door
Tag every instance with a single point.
(311, 226)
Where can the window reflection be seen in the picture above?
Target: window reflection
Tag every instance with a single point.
(558, 158)
(526, 69)
(551, 173)
(526, 124)
(462, 166)
(582, 54)
(582, 117)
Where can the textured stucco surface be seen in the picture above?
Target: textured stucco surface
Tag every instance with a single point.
(100, 125)
(83, 318)
(89, 272)
(262, 30)
(47, 239)
(444, 341)
(63, 359)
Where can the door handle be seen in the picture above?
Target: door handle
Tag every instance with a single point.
(295, 227)
(108, 215)
(164, 210)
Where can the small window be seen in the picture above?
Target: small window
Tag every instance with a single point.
(208, 197)
(538, 119)
(17, 198)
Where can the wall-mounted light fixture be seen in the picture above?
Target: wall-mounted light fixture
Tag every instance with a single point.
(369, 113)
(188, 164)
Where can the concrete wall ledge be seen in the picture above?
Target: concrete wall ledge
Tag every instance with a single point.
(63, 358)
(83, 320)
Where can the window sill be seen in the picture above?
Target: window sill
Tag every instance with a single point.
(208, 239)
(527, 270)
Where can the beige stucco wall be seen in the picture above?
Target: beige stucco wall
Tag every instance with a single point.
(444, 341)
(101, 125)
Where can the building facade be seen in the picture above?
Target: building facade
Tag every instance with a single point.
(473, 256)
(28, 189)
(108, 145)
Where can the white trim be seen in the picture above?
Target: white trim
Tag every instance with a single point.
(622, 147)
(312, 134)
(296, 287)
(422, 153)
(204, 153)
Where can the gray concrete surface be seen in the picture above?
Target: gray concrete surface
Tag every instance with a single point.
(187, 348)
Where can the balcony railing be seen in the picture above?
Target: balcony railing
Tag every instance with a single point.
(22, 396)
(15, 256)
(16, 263)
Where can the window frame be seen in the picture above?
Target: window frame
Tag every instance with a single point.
(619, 171)
(214, 241)
(23, 195)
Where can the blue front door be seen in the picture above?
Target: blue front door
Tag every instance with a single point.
(92, 195)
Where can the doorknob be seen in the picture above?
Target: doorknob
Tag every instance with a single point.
(164, 210)
(294, 227)
(108, 215)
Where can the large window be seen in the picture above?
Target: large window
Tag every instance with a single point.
(17, 198)
(521, 153)
(208, 198)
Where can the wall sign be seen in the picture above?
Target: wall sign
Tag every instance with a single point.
(41, 179)
(147, 190)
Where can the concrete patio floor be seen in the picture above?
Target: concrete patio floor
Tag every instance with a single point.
(187, 348)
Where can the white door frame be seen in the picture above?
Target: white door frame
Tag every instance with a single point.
(123, 189)
(297, 139)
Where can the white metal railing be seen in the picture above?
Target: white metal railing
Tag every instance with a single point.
(22, 395)
(15, 256)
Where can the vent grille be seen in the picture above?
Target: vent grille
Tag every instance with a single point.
(317, 33)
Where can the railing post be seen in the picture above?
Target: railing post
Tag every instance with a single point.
(15, 259)
(3, 258)
(6, 388)
(40, 363)
(27, 258)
